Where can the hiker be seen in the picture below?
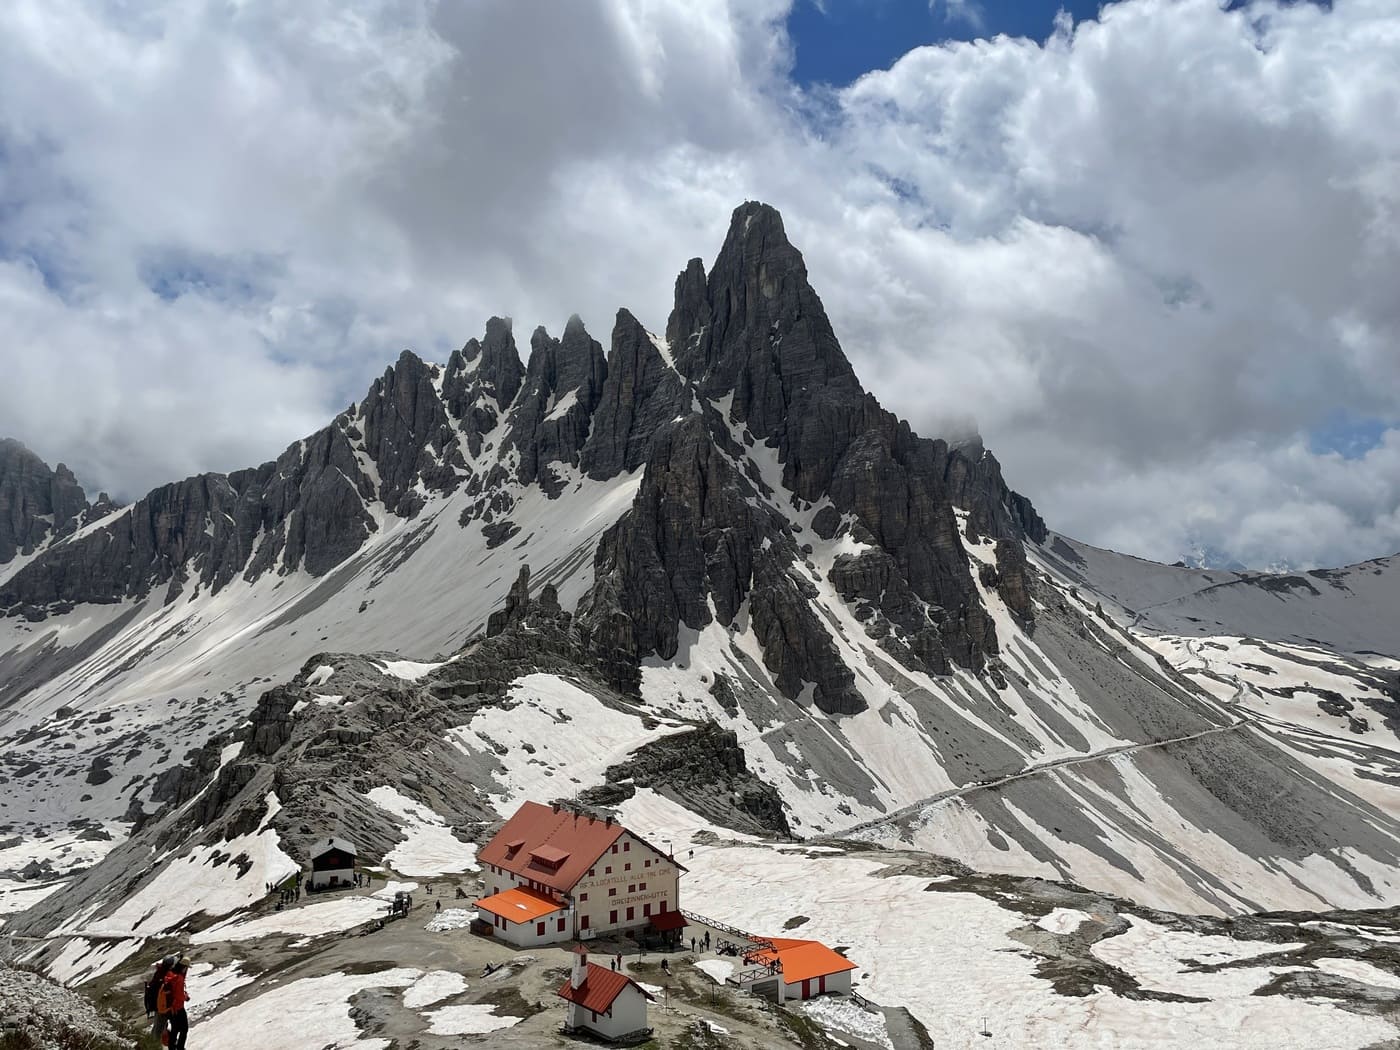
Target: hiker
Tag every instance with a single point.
(153, 1011)
(692, 945)
(619, 961)
(439, 905)
(170, 1002)
(665, 967)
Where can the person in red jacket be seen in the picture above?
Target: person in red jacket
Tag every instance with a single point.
(176, 998)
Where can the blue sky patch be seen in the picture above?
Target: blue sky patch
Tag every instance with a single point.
(1349, 436)
(838, 40)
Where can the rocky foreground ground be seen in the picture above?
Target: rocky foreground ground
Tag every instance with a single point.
(37, 1013)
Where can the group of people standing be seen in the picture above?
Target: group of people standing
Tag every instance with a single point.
(165, 1002)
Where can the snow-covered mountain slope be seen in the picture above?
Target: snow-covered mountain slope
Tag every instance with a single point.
(1354, 609)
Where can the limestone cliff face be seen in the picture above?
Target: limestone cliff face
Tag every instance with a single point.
(36, 503)
(752, 339)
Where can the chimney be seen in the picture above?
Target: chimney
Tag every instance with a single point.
(580, 973)
(556, 807)
(609, 821)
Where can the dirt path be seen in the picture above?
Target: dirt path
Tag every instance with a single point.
(1028, 771)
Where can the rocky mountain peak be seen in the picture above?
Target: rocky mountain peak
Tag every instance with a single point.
(760, 330)
(36, 503)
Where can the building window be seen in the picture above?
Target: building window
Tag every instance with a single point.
(583, 896)
(632, 888)
(612, 892)
(561, 926)
(627, 847)
(646, 910)
(646, 864)
(630, 913)
(612, 918)
(663, 907)
(539, 929)
(607, 870)
(627, 866)
(614, 847)
(590, 873)
(641, 885)
(583, 923)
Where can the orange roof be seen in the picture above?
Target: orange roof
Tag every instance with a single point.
(799, 960)
(519, 904)
(599, 989)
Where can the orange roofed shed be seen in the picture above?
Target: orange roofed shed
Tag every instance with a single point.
(799, 960)
(519, 904)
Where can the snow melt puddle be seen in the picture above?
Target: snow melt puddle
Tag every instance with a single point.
(312, 1012)
(471, 1019)
(429, 847)
(434, 987)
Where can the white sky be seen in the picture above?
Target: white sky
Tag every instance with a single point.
(1150, 256)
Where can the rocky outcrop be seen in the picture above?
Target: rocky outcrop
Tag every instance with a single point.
(754, 332)
(697, 538)
(642, 394)
(40, 1013)
(554, 410)
(36, 503)
(705, 770)
(481, 381)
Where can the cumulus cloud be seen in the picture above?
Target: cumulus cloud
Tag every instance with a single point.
(1151, 255)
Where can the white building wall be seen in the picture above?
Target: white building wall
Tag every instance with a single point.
(526, 934)
(322, 879)
(628, 1014)
(836, 984)
(641, 878)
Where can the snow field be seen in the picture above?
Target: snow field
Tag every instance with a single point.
(949, 958)
(469, 1019)
(574, 737)
(843, 1015)
(199, 882)
(308, 920)
(311, 1012)
(81, 959)
(433, 987)
(451, 919)
(429, 848)
(208, 986)
(1063, 920)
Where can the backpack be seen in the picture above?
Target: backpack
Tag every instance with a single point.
(153, 987)
(164, 1003)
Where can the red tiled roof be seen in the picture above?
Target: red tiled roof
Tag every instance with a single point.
(600, 988)
(520, 904)
(550, 855)
(799, 960)
(581, 839)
